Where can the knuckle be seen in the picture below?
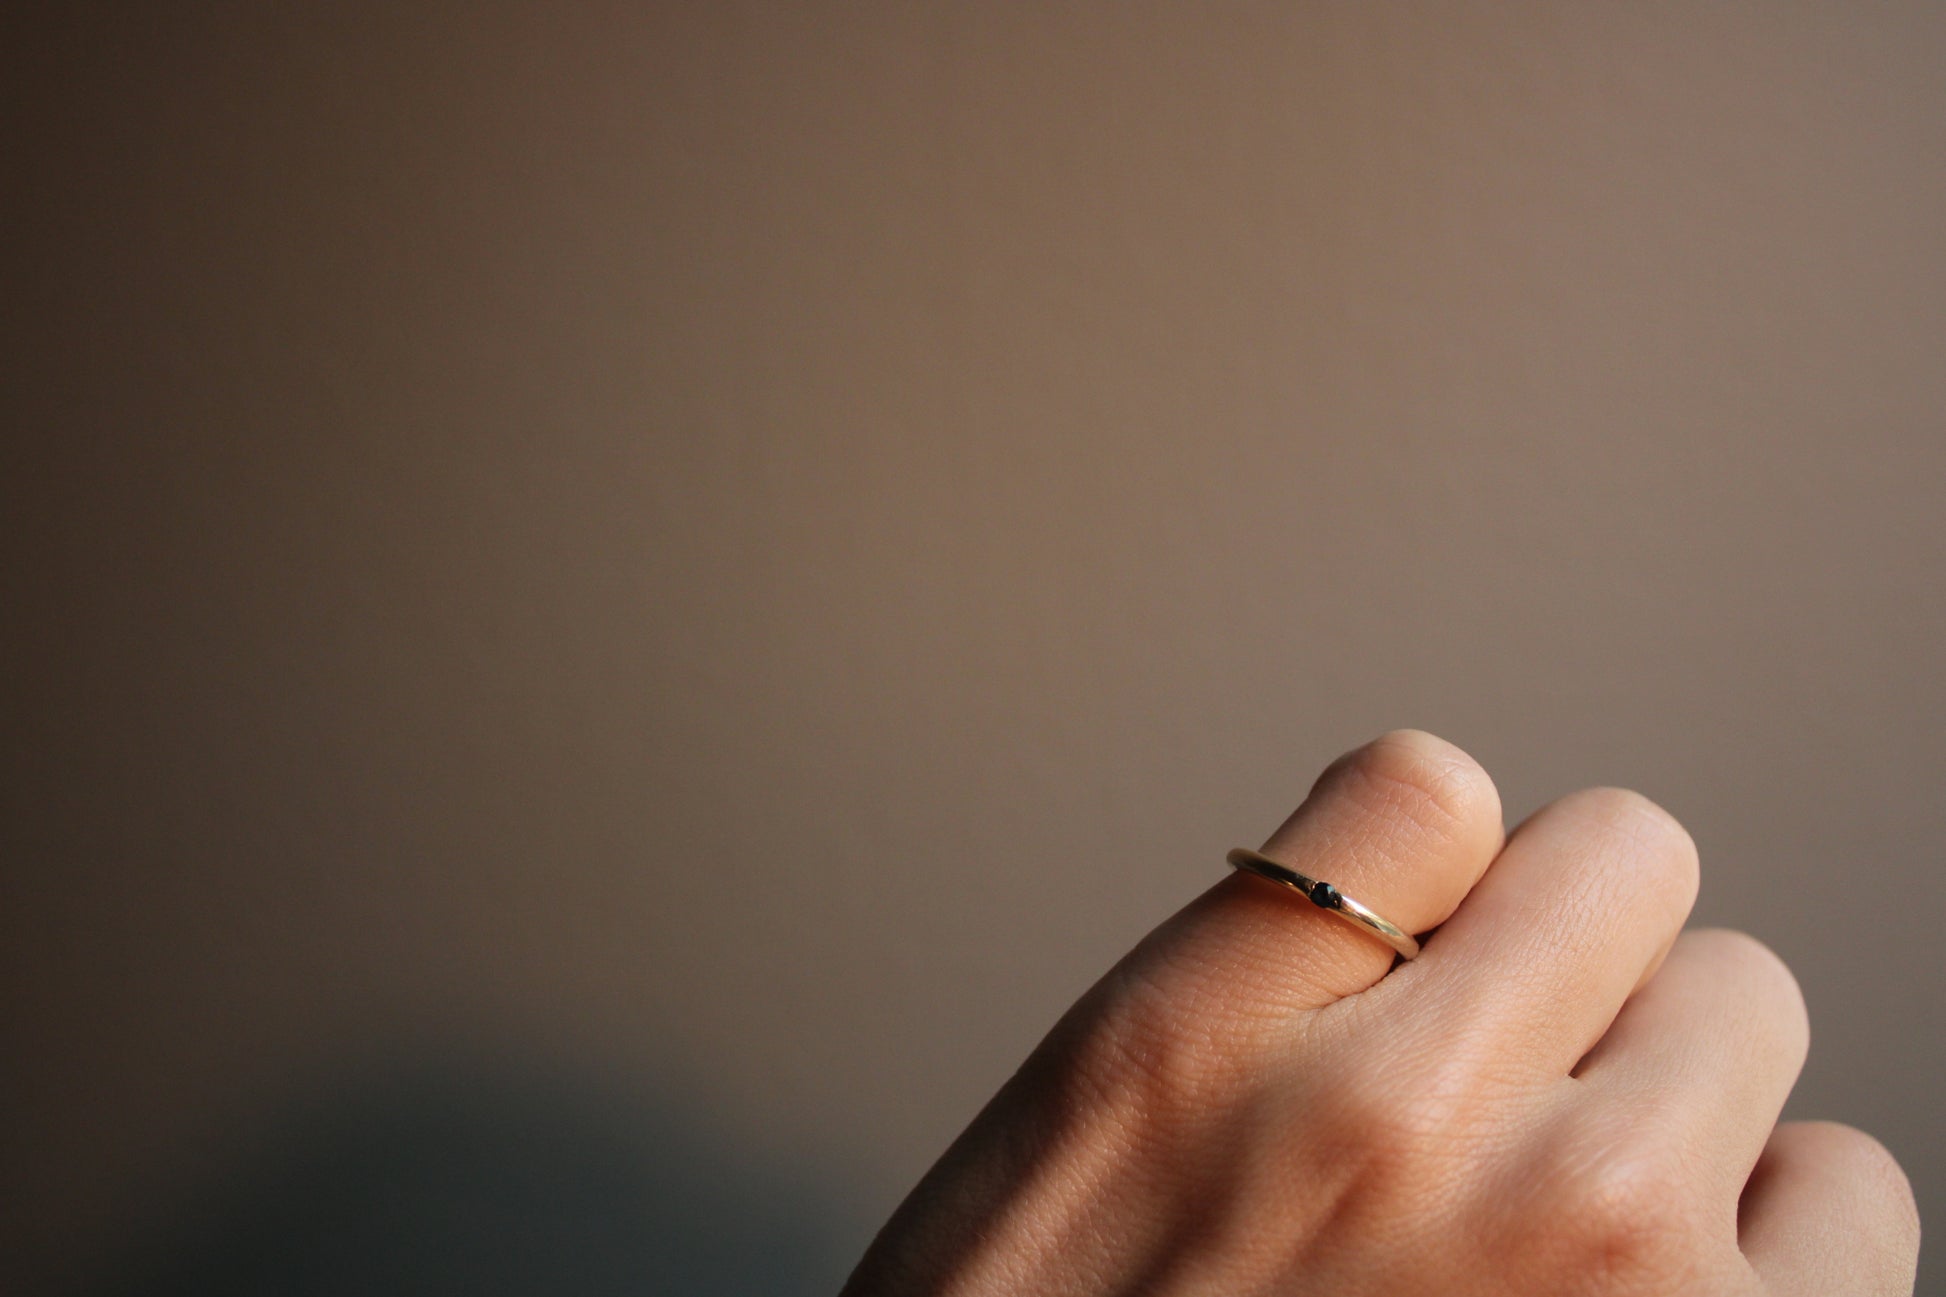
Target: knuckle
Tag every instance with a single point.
(1420, 777)
(1627, 1220)
(1651, 832)
(1415, 1118)
(1760, 973)
(1852, 1154)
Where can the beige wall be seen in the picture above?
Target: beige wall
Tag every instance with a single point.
(733, 557)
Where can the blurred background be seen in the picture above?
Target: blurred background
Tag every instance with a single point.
(611, 607)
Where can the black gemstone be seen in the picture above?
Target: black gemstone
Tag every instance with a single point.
(1325, 896)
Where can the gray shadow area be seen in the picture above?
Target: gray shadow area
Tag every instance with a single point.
(458, 1179)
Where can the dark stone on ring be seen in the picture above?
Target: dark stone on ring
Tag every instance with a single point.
(1325, 896)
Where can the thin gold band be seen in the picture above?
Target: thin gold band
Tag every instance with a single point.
(1325, 897)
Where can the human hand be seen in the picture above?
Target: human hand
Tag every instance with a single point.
(1564, 1093)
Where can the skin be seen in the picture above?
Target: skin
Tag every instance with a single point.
(1565, 1093)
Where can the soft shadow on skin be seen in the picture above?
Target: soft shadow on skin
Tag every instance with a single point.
(454, 1179)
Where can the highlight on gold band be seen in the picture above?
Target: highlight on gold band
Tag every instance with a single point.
(1325, 897)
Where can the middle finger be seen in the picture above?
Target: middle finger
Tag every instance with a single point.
(1574, 914)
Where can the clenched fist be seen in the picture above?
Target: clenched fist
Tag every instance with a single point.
(1565, 1093)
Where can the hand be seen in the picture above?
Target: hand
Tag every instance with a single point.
(1564, 1094)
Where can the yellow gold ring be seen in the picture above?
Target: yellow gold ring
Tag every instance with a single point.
(1325, 897)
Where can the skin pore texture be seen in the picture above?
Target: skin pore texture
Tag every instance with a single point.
(1566, 1093)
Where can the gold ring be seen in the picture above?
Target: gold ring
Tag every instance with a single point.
(1325, 897)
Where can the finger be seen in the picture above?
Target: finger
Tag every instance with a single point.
(1581, 904)
(1703, 1057)
(1828, 1213)
(1405, 824)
